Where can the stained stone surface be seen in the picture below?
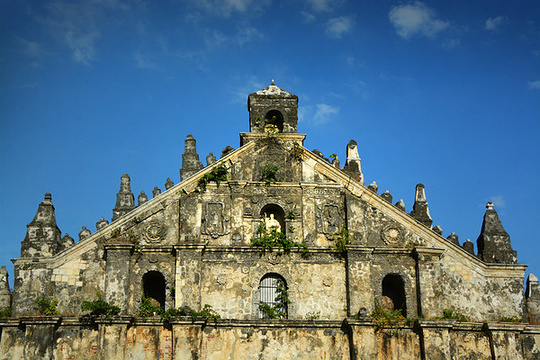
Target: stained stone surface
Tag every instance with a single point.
(193, 246)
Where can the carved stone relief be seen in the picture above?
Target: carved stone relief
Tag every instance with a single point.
(329, 219)
(155, 232)
(274, 259)
(391, 235)
(215, 223)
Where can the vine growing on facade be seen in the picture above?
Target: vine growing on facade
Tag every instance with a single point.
(217, 174)
(273, 238)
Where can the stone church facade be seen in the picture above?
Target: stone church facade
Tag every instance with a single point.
(267, 220)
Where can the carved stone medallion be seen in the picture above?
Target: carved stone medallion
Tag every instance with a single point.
(391, 235)
(221, 279)
(154, 232)
(328, 281)
(274, 259)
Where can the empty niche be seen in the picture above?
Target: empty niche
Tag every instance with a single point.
(393, 292)
(154, 287)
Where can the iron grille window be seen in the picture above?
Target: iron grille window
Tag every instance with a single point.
(268, 292)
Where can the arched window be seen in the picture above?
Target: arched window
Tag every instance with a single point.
(276, 212)
(273, 297)
(274, 117)
(154, 287)
(393, 291)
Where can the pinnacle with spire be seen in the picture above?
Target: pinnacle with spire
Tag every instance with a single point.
(494, 242)
(420, 208)
(43, 237)
(125, 201)
(190, 159)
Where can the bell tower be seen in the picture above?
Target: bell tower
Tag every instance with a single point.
(272, 110)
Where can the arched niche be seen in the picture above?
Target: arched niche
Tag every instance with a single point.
(393, 292)
(274, 117)
(153, 284)
(277, 212)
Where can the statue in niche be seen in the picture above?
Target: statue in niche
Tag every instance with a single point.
(271, 223)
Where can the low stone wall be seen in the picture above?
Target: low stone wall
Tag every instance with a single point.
(182, 338)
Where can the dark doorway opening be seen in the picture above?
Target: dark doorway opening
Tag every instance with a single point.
(393, 289)
(154, 287)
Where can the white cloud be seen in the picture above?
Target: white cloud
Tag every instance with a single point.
(416, 19)
(498, 201)
(143, 62)
(324, 112)
(534, 85)
(320, 5)
(29, 48)
(214, 39)
(336, 27)
(78, 25)
(225, 8)
(248, 86)
(247, 35)
(493, 23)
(308, 17)
(452, 43)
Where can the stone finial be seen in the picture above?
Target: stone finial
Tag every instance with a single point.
(5, 293)
(67, 241)
(210, 159)
(353, 164)
(494, 242)
(318, 153)
(400, 205)
(101, 223)
(156, 191)
(453, 238)
(335, 162)
(190, 159)
(438, 230)
(142, 198)
(43, 237)
(125, 201)
(84, 233)
(532, 296)
(387, 196)
(373, 187)
(420, 208)
(226, 151)
(169, 184)
(468, 246)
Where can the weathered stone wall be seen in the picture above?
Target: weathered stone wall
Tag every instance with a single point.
(183, 338)
(230, 282)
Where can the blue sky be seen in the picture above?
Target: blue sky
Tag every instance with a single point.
(446, 93)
